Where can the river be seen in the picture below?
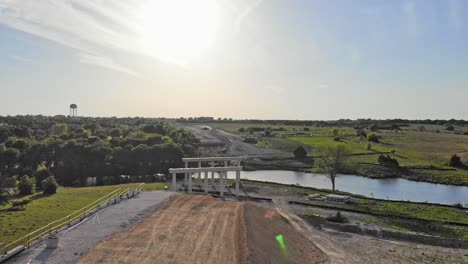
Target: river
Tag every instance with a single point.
(390, 189)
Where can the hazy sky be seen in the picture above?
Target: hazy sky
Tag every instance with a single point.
(229, 58)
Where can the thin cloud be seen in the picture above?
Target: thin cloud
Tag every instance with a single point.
(323, 86)
(409, 10)
(245, 13)
(106, 63)
(455, 14)
(100, 27)
(20, 58)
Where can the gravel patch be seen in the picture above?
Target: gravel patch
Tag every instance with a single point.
(78, 239)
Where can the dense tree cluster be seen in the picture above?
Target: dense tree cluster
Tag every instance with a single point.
(73, 149)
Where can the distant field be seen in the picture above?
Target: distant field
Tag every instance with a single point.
(415, 149)
(42, 210)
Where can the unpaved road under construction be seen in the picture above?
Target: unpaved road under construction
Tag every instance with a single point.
(202, 229)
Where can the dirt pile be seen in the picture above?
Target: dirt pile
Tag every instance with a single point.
(201, 229)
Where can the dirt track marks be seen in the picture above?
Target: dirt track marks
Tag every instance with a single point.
(186, 229)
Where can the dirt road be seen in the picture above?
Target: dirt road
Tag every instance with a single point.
(201, 229)
(233, 143)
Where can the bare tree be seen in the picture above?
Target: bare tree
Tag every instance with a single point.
(333, 159)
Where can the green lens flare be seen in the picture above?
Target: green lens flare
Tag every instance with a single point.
(280, 240)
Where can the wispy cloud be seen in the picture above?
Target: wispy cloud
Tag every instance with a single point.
(105, 63)
(455, 14)
(102, 28)
(20, 58)
(245, 13)
(409, 10)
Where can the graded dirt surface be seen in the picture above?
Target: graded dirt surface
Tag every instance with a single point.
(202, 229)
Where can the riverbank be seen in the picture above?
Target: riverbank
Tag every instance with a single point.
(374, 171)
(421, 218)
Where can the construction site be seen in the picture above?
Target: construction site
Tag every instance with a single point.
(206, 218)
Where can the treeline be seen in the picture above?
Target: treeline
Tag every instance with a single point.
(340, 122)
(73, 149)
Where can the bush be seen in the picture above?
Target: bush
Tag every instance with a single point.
(337, 139)
(241, 130)
(373, 138)
(455, 161)
(41, 174)
(49, 185)
(300, 153)
(450, 128)
(26, 185)
(387, 161)
(20, 203)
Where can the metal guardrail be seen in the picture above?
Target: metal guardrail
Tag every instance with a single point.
(79, 215)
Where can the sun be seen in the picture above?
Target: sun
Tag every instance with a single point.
(178, 30)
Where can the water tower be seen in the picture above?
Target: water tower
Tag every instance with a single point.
(73, 110)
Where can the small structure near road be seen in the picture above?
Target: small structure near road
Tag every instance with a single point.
(338, 198)
(221, 171)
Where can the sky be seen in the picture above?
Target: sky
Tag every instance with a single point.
(255, 59)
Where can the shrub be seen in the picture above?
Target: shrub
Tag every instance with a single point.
(450, 128)
(337, 139)
(26, 185)
(455, 161)
(241, 130)
(387, 161)
(337, 218)
(41, 174)
(20, 203)
(49, 185)
(300, 153)
(373, 138)
(369, 146)
(306, 129)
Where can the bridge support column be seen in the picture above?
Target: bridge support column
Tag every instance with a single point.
(206, 182)
(199, 174)
(221, 184)
(190, 182)
(174, 182)
(237, 182)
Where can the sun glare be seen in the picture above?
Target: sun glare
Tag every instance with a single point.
(178, 30)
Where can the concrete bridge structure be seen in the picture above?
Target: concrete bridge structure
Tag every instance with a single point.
(229, 164)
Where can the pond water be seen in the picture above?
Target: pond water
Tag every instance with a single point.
(391, 189)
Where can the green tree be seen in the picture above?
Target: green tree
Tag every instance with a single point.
(26, 185)
(455, 161)
(373, 138)
(300, 153)
(49, 185)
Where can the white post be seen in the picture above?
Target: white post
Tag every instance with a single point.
(185, 175)
(221, 184)
(189, 182)
(174, 182)
(212, 175)
(199, 173)
(237, 182)
(206, 182)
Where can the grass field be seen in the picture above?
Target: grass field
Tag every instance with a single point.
(419, 151)
(44, 209)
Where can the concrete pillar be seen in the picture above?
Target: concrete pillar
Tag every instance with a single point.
(199, 173)
(174, 182)
(221, 184)
(237, 182)
(212, 175)
(206, 182)
(185, 175)
(189, 182)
